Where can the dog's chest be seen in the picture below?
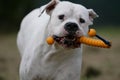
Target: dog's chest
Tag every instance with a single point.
(48, 70)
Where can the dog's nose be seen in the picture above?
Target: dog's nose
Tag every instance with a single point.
(71, 27)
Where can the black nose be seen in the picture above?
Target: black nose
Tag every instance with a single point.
(71, 27)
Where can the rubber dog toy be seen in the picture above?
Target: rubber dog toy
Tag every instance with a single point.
(50, 40)
(88, 41)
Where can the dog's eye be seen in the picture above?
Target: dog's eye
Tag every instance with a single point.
(61, 17)
(82, 20)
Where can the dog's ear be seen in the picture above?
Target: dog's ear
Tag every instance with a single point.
(92, 15)
(51, 5)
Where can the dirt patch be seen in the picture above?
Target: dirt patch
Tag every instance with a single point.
(9, 58)
(105, 60)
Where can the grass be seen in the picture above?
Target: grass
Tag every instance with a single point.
(107, 61)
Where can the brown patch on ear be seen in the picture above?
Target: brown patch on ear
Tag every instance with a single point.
(51, 5)
(92, 14)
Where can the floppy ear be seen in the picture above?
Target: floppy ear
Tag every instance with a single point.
(51, 5)
(92, 14)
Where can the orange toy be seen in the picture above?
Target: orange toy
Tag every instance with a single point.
(92, 33)
(93, 42)
(50, 40)
(88, 41)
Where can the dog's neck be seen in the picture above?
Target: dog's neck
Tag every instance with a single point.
(59, 54)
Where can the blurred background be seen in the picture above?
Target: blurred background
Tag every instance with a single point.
(98, 63)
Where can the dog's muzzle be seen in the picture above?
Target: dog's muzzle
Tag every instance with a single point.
(70, 40)
(67, 41)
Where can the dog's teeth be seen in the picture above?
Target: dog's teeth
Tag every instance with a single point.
(68, 42)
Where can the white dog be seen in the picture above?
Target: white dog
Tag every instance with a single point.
(63, 20)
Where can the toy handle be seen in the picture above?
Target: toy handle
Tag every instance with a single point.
(92, 33)
(105, 41)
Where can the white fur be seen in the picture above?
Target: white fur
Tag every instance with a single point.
(40, 61)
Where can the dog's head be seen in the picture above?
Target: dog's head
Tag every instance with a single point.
(68, 21)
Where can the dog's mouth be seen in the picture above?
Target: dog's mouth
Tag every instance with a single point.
(68, 41)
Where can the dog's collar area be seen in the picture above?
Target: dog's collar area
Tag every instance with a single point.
(67, 41)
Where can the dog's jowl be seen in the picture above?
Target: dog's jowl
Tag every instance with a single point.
(61, 61)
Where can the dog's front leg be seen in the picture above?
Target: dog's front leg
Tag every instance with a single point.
(70, 69)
